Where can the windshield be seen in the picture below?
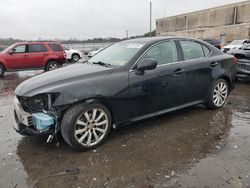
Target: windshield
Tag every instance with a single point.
(237, 42)
(117, 54)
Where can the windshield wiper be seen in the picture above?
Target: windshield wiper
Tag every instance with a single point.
(101, 63)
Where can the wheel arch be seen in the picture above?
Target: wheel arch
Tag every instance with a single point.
(95, 100)
(1, 63)
(228, 80)
(49, 60)
(74, 53)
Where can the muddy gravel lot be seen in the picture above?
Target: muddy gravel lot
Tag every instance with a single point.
(194, 147)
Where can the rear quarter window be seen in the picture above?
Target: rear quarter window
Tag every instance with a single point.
(192, 50)
(55, 47)
(206, 50)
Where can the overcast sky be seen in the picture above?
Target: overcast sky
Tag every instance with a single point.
(83, 19)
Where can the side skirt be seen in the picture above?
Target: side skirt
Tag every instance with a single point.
(147, 116)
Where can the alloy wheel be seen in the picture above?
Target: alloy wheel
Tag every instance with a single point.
(220, 94)
(53, 66)
(91, 127)
(75, 58)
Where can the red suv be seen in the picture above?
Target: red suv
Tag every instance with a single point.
(32, 55)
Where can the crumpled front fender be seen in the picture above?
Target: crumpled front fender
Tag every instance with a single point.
(75, 93)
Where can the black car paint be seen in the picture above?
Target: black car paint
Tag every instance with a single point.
(131, 96)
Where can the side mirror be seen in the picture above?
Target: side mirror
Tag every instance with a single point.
(12, 51)
(147, 64)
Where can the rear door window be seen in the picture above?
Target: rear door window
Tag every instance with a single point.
(55, 47)
(192, 50)
(37, 48)
(164, 53)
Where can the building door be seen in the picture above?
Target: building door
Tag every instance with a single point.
(223, 39)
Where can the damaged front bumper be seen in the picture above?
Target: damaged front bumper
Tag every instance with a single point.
(23, 123)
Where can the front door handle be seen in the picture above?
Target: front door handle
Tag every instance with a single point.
(214, 64)
(178, 71)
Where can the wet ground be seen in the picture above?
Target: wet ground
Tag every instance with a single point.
(194, 147)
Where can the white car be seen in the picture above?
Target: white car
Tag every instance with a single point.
(235, 45)
(72, 54)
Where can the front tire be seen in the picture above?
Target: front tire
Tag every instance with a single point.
(52, 65)
(2, 70)
(218, 94)
(84, 127)
(75, 57)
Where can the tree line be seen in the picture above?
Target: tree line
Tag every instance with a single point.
(9, 41)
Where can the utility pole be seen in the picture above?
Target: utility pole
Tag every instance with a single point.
(150, 19)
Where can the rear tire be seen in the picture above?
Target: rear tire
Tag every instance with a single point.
(75, 57)
(2, 70)
(52, 65)
(218, 94)
(84, 127)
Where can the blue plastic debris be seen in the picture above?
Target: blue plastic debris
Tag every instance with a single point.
(42, 121)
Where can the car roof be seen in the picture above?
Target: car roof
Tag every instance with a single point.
(35, 42)
(157, 39)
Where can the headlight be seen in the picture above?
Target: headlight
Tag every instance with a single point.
(38, 103)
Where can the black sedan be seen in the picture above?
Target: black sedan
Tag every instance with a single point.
(243, 65)
(126, 82)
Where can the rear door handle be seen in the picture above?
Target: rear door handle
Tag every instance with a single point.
(214, 64)
(178, 71)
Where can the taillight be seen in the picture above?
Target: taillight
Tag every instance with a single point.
(235, 60)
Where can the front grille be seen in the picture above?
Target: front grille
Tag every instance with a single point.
(30, 122)
(243, 66)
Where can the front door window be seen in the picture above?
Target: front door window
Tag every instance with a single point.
(20, 49)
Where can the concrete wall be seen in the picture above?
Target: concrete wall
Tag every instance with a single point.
(231, 21)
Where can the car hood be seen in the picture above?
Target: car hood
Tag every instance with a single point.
(58, 80)
(232, 46)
